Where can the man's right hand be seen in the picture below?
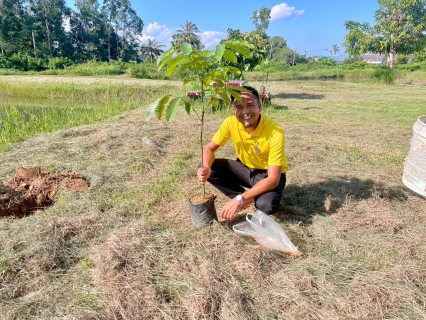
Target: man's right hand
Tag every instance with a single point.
(203, 174)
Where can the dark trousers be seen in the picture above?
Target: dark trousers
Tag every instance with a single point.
(232, 176)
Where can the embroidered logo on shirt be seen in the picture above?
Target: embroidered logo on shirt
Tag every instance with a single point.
(257, 148)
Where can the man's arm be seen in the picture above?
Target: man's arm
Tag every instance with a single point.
(265, 185)
(269, 183)
(208, 159)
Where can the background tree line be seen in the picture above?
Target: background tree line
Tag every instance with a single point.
(40, 34)
(42, 29)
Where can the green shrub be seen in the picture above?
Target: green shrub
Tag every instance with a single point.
(24, 62)
(144, 70)
(412, 66)
(401, 59)
(419, 56)
(355, 65)
(272, 66)
(5, 63)
(384, 74)
(59, 63)
(95, 68)
(351, 60)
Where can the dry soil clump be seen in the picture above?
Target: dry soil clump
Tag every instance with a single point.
(36, 188)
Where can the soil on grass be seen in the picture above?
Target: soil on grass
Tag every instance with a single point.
(36, 188)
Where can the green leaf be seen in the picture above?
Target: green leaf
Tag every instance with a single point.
(151, 109)
(189, 80)
(232, 70)
(214, 101)
(186, 48)
(157, 107)
(188, 107)
(161, 106)
(224, 96)
(219, 52)
(165, 57)
(171, 67)
(172, 108)
(239, 46)
(229, 55)
(185, 66)
(208, 53)
(235, 94)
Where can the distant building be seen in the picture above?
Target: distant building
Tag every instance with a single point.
(374, 58)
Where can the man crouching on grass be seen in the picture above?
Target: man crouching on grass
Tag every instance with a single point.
(258, 174)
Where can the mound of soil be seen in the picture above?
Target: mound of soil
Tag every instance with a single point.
(36, 188)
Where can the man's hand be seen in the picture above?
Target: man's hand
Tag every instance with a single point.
(230, 209)
(203, 174)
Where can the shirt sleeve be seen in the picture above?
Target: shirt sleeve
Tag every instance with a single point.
(224, 133)
(276, 149)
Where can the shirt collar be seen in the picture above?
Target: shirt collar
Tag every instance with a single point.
(258, 129)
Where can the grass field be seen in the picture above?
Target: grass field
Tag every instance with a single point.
(126, 248)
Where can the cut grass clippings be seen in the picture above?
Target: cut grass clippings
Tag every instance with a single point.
(127, 249)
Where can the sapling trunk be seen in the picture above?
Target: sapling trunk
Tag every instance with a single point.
(201, 143)
(201, 133)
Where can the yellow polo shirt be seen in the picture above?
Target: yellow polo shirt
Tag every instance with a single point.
(264, 147)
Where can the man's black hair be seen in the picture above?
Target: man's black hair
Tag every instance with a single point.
(248, 89)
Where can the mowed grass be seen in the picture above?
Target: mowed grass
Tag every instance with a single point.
(126, 249)
(28, 108)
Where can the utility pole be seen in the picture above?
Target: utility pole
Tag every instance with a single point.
(294, 57)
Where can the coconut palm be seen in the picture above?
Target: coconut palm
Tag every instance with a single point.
(335, 49)
(151, 49)
(188, 34)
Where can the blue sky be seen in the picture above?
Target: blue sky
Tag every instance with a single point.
(309, 26)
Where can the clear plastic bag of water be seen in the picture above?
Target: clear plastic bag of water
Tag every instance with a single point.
(267, 233)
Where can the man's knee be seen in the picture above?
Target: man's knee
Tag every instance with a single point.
(267, 205)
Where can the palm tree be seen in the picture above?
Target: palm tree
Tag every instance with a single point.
(152, 49)
(188, 34)
(335, 48)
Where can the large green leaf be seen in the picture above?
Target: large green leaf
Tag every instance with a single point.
(178, 60)
(157, 107)
(232, 70)
(185, 66)
(151, 109)
(189, 80)
(172, 108)
(165, 57)
(219, 52)
(186, 48)
(188, 107)
(229, 55)
(240, 47)
(209, 53)
(224, 96)
(214, 101)
(235, 94)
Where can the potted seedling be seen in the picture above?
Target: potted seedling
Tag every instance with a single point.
(210, 71)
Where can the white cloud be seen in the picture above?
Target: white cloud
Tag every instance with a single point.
(158, 31)
(284, 12)
(211, 39)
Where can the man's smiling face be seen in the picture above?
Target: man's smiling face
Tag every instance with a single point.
(247, 111)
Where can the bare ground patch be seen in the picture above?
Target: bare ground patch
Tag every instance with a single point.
(34, 189)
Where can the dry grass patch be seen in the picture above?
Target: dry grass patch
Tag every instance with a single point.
(126, 248)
